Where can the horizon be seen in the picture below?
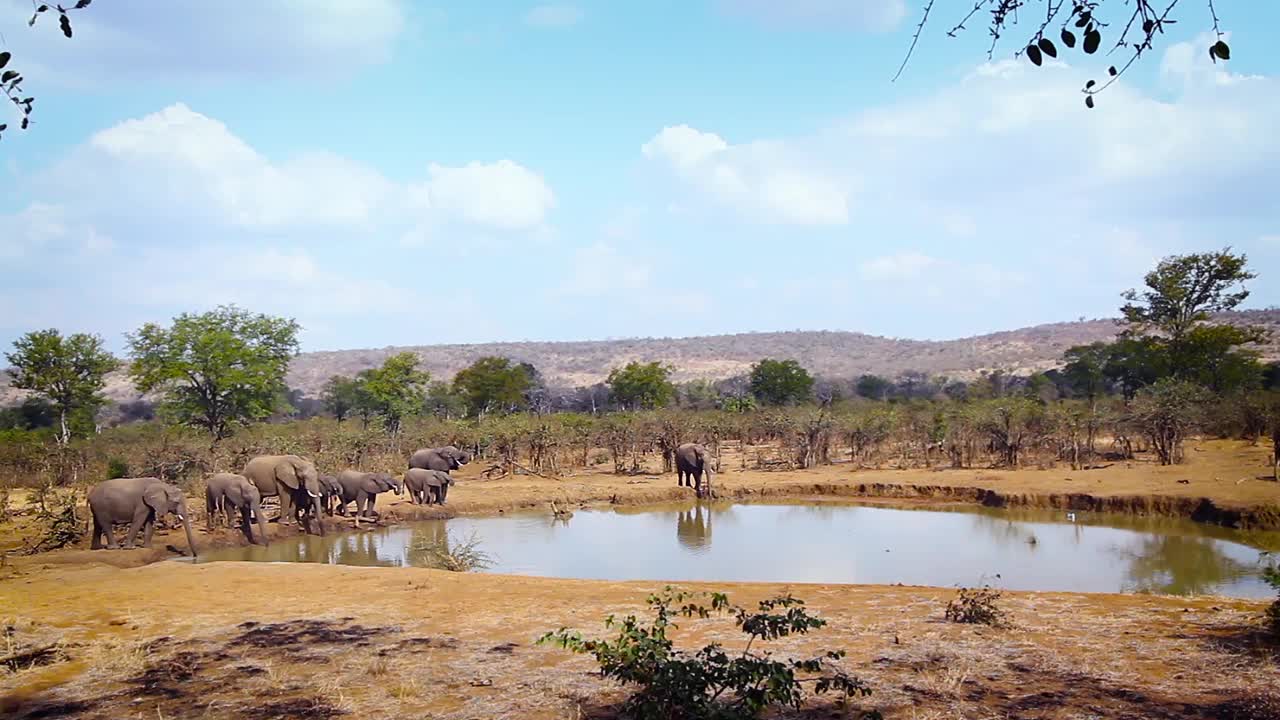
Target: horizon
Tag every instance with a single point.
(548, 170)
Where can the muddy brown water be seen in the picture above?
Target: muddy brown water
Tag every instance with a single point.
(824, 543)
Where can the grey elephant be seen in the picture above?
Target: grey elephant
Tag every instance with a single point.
(363, 489)
(692, 462)
(427, 486)
(225, 491)
(294, 480)
(445, 459)
(330, 493)
(139, 502)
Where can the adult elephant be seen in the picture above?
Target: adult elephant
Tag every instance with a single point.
(444, 459)
(363, 488)
(692, 462)
(137, 501)
(225, 491)
(294, 480)
(427, 486)
(330, 493)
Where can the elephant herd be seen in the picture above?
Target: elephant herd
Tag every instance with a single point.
(304, 495)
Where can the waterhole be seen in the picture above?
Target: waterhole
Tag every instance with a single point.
(824, 543)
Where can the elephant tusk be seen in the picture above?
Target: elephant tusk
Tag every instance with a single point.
(312, 494)
(180, 517)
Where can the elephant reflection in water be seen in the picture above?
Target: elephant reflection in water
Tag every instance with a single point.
(429, 541)
(693, 527)
(358, 549)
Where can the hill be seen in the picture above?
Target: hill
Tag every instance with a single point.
(827, 353)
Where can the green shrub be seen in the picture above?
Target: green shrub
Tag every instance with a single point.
(977, 606)
(117, 468)
(1272, 576)
(710, 683)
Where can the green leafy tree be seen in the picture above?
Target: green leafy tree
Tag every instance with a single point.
(1135, 362)
(494, 384)
(1184, 289)
(641, 386)
(873, 387)
(1166, 413)
(217, 370)
(780, 382)
(68, 372)
(395, 390)
(341, 396)
(444, 401)
(712, 683)
(1085, 370)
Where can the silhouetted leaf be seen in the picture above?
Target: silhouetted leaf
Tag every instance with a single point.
(83, 4)
(65, 23)
(1092, 40)
(4, 59)
(3, 127)
(1046, 47)
(1083, 19)
(1033, 54)
(1112, 71)
(1088, 102)
(1068, 38)
(1148, 26)
(25, 123)
(1089, 84)
(1220, 50)
(41, 9)
(8, 75)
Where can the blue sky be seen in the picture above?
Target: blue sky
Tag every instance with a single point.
(396, 172)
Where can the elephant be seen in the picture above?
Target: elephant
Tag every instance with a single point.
(363, 488)
(445, 459)
(294, 480)
(225, 491)
(693, 527)
(692, 460)
(330, 492)
(139, 502)
(427, 486)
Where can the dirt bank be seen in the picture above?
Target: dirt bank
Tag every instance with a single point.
(249, 640)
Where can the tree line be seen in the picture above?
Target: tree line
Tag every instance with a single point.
(1169, 373)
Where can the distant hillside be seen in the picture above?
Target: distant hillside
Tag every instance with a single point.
(833, 354)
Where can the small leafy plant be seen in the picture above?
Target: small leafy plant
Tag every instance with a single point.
(456, 555)
(977, 606)
(1271, 574)
(711, 684)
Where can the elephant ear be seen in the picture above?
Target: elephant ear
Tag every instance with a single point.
(287, 474)
(156, 497)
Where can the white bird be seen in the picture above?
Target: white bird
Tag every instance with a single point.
(1071, 516)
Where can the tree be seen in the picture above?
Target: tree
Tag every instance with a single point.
(780, 382)
(444, 401)
(1140, 22)
(1166, 412)
(218, 369)
(1085, 370)
(341, 396)
(494, 384)
(394, 390)
(641, 386)
(873, 387)
(67, 372)
(1136, 362)
(1184, 289)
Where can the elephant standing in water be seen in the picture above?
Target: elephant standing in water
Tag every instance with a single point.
(427, 486)
(225, 491)
(445, 459)
(692, 462)
(139, 502)
(363, 488)
(294, 480)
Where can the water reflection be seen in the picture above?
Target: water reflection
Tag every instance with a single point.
(825, 542)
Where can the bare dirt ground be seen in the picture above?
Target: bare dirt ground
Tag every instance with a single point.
(115, 634)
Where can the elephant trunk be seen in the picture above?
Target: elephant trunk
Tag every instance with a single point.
(256, 508)
(186, 525)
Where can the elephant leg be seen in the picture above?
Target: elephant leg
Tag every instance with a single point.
(210, 509)
(148, 527)
(140, 518)
(244, 524)
(96, 542)
(287, 509)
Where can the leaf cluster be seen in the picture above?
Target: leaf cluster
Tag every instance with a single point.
(712, 683)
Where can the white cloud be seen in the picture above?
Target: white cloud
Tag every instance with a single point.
(553, 16)
(901, 266)
(761, 179)
(503, 195)
(601, 269)
(876, 15)
(182, 38)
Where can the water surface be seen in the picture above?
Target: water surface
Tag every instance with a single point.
(825, 542)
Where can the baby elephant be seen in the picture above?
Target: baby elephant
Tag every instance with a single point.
(363, 488)
(427, 486)
(139, 502)
(225, 491)
(330, 493)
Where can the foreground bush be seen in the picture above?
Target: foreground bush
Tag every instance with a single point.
(711, 683)
(977, 606)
